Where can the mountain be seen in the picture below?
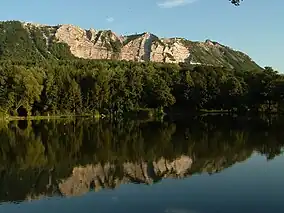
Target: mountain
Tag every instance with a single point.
(20, 40)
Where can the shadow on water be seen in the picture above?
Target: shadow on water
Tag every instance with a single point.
(65, 158)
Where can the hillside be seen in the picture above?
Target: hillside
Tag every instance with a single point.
(39, 42)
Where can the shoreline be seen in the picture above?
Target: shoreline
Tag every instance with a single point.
(138, 114)
(44, 117)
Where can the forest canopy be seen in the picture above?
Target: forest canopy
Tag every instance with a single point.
(80, 86)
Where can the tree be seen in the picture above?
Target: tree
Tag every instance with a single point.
(236, 2)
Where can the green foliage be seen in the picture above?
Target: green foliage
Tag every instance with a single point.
(19, 42)
(132, 37)
(115, 87)
(155, 39)
(113, 45)
(116, 46)
(61, 51)
(20, 88)
(15, 42)
(170, 56)
(219, 55)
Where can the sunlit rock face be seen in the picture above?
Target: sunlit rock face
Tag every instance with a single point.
(105, 44)
(87, 44)
(169, 51)
(92, 44)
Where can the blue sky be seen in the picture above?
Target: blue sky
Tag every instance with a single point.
(256, 27)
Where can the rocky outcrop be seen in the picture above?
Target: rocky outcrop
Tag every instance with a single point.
(93, 44)
(87, 44)
(67, 42)
(104, 44)
(134, 48)
(169, 51)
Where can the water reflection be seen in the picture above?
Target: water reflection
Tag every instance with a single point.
(72, 157)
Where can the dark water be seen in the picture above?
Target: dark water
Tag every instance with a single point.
(211, 164)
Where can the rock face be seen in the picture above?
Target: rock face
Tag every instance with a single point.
(104, 44)
(39, 42)
(88, 44)
(169, 51)
(92, 44)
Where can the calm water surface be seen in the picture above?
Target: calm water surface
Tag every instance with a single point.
(206, 165)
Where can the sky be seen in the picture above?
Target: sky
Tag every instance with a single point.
(256, 27)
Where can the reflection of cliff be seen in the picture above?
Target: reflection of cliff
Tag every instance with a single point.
(31, 184)
(96, 177)
(68, 158)
(109, 175)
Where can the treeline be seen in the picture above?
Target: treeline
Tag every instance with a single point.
(116, 87)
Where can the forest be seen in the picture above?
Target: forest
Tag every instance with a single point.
(91, 87)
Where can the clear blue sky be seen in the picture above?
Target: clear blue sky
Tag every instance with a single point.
(256, 27)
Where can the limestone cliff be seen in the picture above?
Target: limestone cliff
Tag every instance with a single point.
(35, 41)
(92, 44)
(88, 44)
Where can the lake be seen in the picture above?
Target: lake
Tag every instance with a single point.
(209, 164)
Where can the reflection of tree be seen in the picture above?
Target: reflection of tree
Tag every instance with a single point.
(36, 156)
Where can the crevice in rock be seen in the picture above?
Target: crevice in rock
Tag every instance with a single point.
(147, 47)
(89, 34)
